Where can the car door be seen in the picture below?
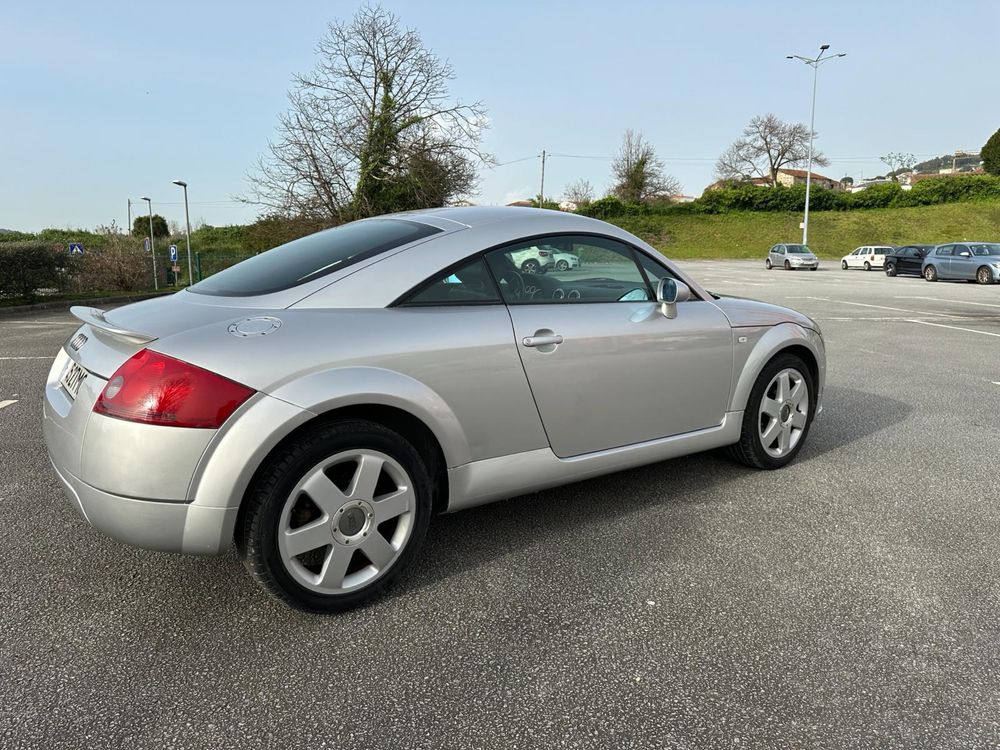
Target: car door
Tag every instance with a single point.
(778, 253)
(942, 261)
(907, 260)
(855, 260)
(963, 264)
(606, 368)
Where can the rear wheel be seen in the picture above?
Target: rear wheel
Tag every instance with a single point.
(843, 265)
(868, 266)
(562, 266)
(777, 415)
(530, 266)
(890, 269)
(930, 273)
(336, 516)
(767, 263)
(984, 275)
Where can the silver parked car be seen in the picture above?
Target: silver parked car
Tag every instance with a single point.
(316, 404)
(791, 257)
(968, 261)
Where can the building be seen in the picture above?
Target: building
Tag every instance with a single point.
(789, 177)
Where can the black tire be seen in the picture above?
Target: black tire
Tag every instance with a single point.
(890, 269)
(767, 264)
(257, 539)
(868, 266)
(749, 451)
(930, 273)
(788, 266)
(814, 268)
(984, 275)
(530, 266)
(562, 266)
(843, 265)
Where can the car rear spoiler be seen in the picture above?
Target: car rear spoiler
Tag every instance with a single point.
(94, 317)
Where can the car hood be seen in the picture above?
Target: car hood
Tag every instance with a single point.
(743, 313)
(803, 256)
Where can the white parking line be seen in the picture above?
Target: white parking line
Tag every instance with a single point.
(956, 328)
(963, 301)
(5, 404)
(884, 307)
(4, 358)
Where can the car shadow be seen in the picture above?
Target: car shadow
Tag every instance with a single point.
(475, 537)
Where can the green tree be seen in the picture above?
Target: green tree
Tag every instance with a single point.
(990, 154)
(140, 227)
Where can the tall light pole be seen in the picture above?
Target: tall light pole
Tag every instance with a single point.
(187, 220)
(152, 245)
(815, 62)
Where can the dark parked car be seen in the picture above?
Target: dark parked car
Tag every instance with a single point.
(907, 259)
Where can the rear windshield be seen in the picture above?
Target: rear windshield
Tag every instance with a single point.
(311, 257)
(798, 249)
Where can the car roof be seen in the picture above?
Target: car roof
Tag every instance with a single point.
(477, 216)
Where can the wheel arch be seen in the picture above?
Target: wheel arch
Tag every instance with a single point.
(786, 338)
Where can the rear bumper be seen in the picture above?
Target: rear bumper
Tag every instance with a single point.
(164, 526)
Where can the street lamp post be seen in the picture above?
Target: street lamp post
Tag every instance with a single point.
(815, 62)
(152, 243)
(187, 220)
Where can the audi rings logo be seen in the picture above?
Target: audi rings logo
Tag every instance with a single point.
(78, 341)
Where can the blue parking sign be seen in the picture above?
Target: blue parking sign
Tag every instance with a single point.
(76, 248)
(173, 253)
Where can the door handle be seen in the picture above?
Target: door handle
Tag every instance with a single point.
(542, 340)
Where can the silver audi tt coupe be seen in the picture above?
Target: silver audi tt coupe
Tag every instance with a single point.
(316, 404)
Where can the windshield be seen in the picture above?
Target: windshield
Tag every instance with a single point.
(311, 257)
(798, 249)
(986, 248)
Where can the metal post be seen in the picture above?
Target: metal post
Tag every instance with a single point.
(152, 244)
(187, 220)
(541, 191)
(809, 170)
(129, 229)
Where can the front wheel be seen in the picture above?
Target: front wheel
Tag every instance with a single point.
(890, 269)
(530, 266)
(930, 273)
(984, 276)
(562, 266)
(788, 266)
(843, 265)
(336, 516)
(777, 415)
(868, 266)
(767, 264)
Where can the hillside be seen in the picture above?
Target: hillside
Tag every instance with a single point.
(831, 233)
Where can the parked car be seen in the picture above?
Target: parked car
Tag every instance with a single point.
(791, 258)
(906, 260)
(319, 402)
(969, 261)
(534, 259)
(564, 261)
(867, 257)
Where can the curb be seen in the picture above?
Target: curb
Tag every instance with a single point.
(66, 304)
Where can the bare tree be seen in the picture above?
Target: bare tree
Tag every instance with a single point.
(766, 146)
(371, 129)
(580, 192)
(638, 173)
(898, 162)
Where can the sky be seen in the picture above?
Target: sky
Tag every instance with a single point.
(101, 102)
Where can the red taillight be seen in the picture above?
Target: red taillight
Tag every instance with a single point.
(156, 389)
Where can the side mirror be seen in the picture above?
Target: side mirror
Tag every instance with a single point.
(965, 254)
(668, 293)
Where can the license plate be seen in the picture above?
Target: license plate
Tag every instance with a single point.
(72, 377)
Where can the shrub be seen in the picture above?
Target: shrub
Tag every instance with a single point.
(121, 265)
(28, 266)
(990, 154)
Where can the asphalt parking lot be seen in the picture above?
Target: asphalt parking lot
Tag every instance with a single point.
(850, 600)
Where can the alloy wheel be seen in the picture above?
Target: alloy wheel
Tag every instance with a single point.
(346, 522)
(983, 276)
(784, 412)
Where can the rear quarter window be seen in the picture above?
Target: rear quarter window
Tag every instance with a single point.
(313, 257)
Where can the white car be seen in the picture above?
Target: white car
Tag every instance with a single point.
(867, 257)
(533, 259)
(564, 261)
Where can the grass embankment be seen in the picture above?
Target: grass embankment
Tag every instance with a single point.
(831, 233)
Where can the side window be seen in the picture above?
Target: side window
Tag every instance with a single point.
(858, 251)
(946, 250)
(597, 269)
(655, 272)
(469, 285)
(779, 249)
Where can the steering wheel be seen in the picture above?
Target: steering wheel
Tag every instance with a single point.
(515, 281)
